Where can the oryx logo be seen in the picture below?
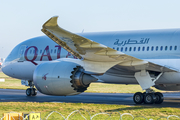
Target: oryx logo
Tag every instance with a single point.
(44, 76)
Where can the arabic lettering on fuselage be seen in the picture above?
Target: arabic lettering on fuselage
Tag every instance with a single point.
(131, 41)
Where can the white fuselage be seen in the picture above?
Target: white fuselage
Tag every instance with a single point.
(157, 46)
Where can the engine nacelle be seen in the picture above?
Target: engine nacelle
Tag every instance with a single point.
(61, 78)
(168, 87)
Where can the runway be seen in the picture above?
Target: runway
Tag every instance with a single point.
(10, 95)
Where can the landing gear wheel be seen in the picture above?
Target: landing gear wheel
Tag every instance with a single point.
(31, 92)
(138, 98)
(28, 92)
(149, 98)
(159, 98)
(34, 93)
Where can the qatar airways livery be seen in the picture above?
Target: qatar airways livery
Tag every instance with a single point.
(63, 63)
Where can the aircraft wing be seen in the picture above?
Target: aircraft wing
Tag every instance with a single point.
(86, 49)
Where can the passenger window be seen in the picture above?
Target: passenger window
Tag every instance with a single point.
(148, 48)
(117, 49)
(143, 48)
(166, 48)
(152, 48)
(30, 51)
(156, 48)
(134, 48)
(161, 48)
(51, 50)
(33, 51)
(170, 48)
(130, 49)
(126, 49)
(113, 48)
(175, 47)
(55, 50)
(139, 48)
(121, 49)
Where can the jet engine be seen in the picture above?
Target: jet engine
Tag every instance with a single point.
(168, 87)
(61, 78)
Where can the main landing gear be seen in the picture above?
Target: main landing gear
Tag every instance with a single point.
(146, 80)
(148, 97)
(31, 91)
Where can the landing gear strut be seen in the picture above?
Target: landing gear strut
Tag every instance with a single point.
(31, 91)
(149, 97)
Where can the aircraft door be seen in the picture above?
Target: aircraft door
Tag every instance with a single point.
(21, 53)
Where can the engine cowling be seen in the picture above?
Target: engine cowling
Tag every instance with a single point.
(61, 78)
(168, 87)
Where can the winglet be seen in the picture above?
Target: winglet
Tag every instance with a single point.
(51, 22)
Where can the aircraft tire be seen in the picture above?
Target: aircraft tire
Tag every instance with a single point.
(138, 98)
(149, 98)
(28, 92)
(159, 98)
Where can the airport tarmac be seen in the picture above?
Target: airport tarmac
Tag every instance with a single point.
(10, 95)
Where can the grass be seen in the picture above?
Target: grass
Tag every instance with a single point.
(114, 88)
(2, 75)
(11, 83)
(66, 108)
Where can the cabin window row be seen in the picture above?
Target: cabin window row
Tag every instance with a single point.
(157, 48)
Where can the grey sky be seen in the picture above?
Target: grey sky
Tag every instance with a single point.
(22, 19)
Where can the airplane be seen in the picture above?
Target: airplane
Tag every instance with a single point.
(63, 63)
